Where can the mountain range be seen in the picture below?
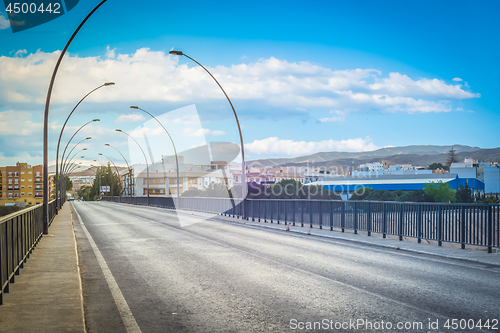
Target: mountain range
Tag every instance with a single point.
(414, 155)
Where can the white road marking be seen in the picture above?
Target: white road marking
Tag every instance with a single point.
(127, 316)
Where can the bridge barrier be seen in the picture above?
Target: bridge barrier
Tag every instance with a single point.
(19, 234)
(465, 224)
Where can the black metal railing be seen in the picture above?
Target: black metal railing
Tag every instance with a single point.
(465, 224)
(19, 234)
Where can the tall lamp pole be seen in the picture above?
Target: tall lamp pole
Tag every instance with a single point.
(64, 125)
(46, 125)
(147, 167)
(128, 166)
(173, 144)
(243, 174)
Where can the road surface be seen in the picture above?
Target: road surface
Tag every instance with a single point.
(225, 276)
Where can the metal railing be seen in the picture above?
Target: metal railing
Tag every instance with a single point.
(465, 224)
(19, 234)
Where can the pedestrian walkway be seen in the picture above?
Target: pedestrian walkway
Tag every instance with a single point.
(46, 296)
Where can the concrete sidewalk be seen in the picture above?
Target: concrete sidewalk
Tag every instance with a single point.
(46, 296)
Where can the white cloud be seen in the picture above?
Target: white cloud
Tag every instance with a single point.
(401, 85)
(4, 22)
(110, 53)
(331, 119)
(275, 146)
(129, 118)
(457, 79)
(155, 76)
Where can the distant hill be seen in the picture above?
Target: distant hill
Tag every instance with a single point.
(414, 155)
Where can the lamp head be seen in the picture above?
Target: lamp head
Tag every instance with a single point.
(96, 119)
(82, 156)
(106, 144)
(99, 154)
(118, 130)
(179, 53)
(134, 107)
(109, 84)
(88, 138)
(84, 149)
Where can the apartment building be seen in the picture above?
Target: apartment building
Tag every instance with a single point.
(21, 184)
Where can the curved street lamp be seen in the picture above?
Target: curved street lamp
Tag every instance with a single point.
(128, 166)
(58, 142)
(173, 144)
(46, 124)
(67, 144)
(147, 167)
(243, 174)
(72, 159)
(64, 125)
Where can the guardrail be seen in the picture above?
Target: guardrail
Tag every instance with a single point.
(19, 234)
(465, 224)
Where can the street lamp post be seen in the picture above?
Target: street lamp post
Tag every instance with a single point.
(70, 168)
(128, 166)
(243, 174)
(46, 124)
(72, 159)
(175, 150)
(147, 167)
(64, 125)
(67, 144)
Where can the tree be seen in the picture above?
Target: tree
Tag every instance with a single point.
(464, 194)
(69, 183)
(104, 177)
(435, 166)
(452, 156)
(416, 196)
(440, 192)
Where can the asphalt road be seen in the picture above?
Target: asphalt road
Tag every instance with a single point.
(223, 276)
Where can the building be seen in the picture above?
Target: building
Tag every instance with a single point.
(347, 185)
(22, 185)
(371, 167)
(163, 177)
(492, 179)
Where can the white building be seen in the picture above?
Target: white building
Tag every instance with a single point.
(163, 177)
(371, 167)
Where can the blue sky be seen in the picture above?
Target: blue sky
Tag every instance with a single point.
(304, 76)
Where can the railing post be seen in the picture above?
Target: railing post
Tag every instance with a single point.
(355, 218)
(342, 216)
(294, 211)
(462, 228)
(331, 215)
(384, 220)
(440, 225)
(279, 215)
(369, 218)
(320, 214)
(286, 212)
(419, 223)
(265, 211)
(302, 213)
(490, 229)
(310, 215)
(400, 231)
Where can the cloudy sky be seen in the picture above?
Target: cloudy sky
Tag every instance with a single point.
(304, 76)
